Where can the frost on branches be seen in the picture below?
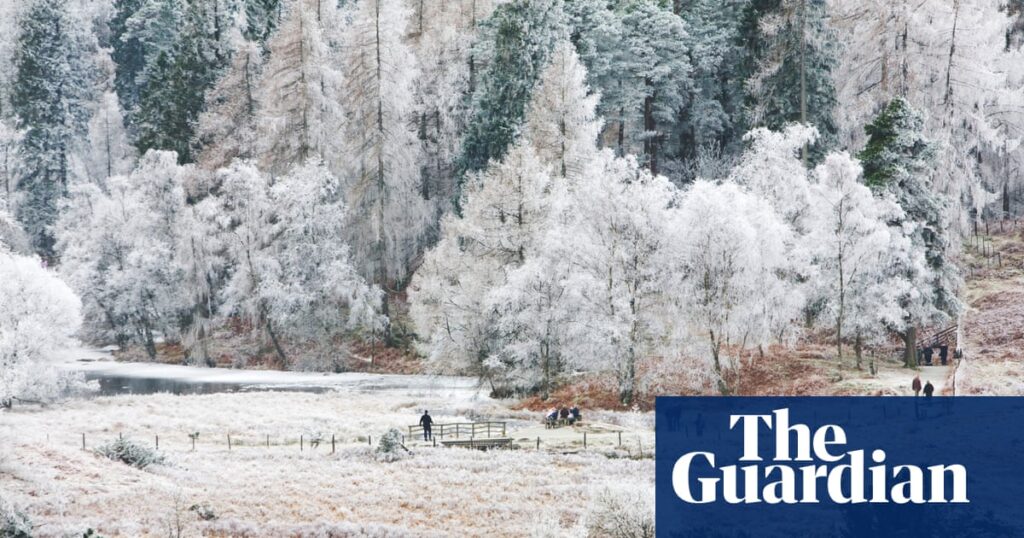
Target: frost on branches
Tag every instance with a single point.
(38, 314)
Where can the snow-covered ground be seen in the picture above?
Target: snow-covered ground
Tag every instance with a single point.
(284, 491)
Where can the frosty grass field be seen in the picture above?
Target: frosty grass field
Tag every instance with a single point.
(253, 490)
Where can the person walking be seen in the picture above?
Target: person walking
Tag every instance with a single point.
(426, 422)
(916, 385)
(928, 389)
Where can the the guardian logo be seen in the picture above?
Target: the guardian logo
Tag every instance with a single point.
(809, 467)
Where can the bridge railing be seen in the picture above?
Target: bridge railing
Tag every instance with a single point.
(460, 430)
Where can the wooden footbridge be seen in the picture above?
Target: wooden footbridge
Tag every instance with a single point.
(478, 435)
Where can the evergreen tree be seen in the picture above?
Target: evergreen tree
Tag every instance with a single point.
(143, 32)
(793, 55)
(516, 40)
(262, 18)
(655, 70)
(52, 91)
(128, 53)
(174, 93)
(712, 117)
(898, 160)
(168, 106)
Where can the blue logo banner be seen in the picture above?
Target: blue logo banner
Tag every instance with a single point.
(843, 467)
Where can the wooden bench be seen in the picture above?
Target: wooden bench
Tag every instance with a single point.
(479, 444)
(559, 422)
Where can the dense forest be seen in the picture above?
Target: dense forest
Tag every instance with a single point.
(519, 190)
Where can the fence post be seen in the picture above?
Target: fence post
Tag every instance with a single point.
(229, 442)
(584, 440)
(193, 443)
(503, 429)
(332, 443)
(620, 439)
(268, 440)
(369, 440)
(83, 441)
(158, 442)
(120, 435)
(538, 442)
(301, 441)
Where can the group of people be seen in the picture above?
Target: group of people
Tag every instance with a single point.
(569, 415)
(925, 355)
(928, 387)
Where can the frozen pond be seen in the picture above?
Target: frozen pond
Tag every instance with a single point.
(148, 378)
(112, 385)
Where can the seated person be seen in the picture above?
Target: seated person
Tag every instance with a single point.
(552, 415)
(574, 414)
(564, 413)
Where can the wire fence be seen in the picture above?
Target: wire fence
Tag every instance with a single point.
(565, 440)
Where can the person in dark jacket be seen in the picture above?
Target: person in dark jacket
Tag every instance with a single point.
(574, 414)
(426, 422)
(563, 414)
(916, 385)
(928, 355)
(928, 389)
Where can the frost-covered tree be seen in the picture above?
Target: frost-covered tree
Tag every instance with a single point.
(108, 150)
(10, 163)
(504, 211)
(616, 238)
(299, 112)
(442, 34)
(853, 249)
(734, 254)
(515, 43)
(198, 255)
(12, 237)
(226, 129)
(560, 121)
(951, 61)
(292, 275)
(53, 87)
(390, 213)
(794, 54)
(770, 169)
(898, 160)
(38, 314)
(117, 245)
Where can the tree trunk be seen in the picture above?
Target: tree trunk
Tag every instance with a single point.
(910, 347)
(650, 136)
(858, 348)
(277, 345)
(723, 388)
(147, 340)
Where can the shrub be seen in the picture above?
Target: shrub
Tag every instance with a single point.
(13, 522)
(132, 453)
(390, 447)
(621, 513)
